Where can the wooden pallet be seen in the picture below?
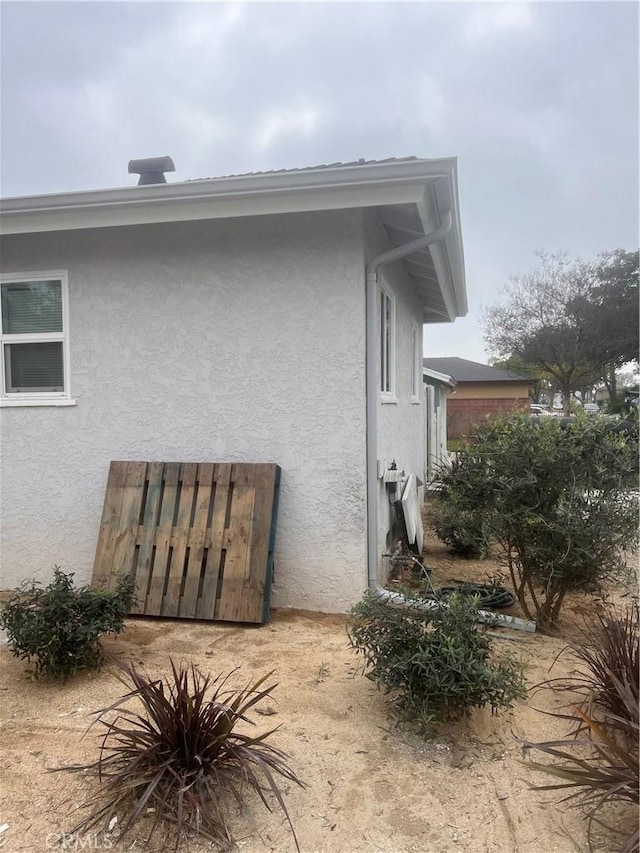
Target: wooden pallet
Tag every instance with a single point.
(199, 537)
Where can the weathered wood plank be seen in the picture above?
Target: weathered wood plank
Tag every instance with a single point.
(250, 606)
(107, 535)
(163, 554)
(214, 543)
(189, 603)
(147, 534)
(237, 543)
(129, 519)
(180, 538)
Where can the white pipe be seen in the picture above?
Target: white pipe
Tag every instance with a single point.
(372, 428)
(500, 620)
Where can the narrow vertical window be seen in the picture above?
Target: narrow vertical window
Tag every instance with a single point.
(387, 345)
(415, 365)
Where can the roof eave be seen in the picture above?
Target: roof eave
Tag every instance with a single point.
(442, 378)
(281, 192)
(441, 196)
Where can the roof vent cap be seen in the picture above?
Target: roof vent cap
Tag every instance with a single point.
(151, 169)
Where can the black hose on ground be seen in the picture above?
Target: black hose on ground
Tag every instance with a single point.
(488, 594)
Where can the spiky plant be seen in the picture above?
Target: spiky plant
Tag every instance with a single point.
(598, 769)
(607, 655)
(598, 763)
(182, 760)
(609, 648)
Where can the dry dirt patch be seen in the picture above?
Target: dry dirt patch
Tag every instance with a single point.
(370, 787)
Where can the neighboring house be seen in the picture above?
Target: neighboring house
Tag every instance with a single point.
(437, 387)
(268, 317)
(481, 391)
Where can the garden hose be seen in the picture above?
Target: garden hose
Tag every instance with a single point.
(489, 595)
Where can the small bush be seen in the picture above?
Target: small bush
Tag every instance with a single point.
(462, 530)
(182, 758)
(438, 662)
(59, 627)
(455, 513)
(598, 762)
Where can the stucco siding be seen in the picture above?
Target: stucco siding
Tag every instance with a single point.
(238, 340)
(401, 424)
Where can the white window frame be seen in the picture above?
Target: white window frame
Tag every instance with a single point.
(38, 398)
(416, 364)
(387, 347)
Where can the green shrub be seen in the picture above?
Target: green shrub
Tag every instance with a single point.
(438, 663)
(181, 758)
(555, 496)
(59, 627)
(454, 512)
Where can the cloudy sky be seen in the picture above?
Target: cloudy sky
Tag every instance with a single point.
(539, 102)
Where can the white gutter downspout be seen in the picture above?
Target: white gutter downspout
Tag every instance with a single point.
(372, 427)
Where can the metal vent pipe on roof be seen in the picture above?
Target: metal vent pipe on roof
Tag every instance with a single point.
(151, 169)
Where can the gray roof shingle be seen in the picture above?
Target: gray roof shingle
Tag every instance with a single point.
(463, 370)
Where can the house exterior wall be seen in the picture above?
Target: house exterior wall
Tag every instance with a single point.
(401, 423)
(492, 391)
(472, 402)
(436, 429)
(238, 340)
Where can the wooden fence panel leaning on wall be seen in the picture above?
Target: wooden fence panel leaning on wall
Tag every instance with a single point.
(198, 537)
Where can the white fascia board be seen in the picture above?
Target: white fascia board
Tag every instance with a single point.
(185, 209)
(280, 192)
(456, 253)
(448, 255)
(443, 378)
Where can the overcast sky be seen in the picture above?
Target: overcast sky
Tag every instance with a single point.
(539, 102)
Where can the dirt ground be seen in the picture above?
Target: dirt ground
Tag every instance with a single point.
(370, 786)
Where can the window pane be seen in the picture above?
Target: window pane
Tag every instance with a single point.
(414, 363)
(386, 342)
(383, 348)
(31, 307)
(34, 367)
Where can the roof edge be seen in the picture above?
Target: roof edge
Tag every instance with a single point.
(326, 177)
(443, 378)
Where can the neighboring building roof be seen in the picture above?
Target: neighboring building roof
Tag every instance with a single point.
(412, 196)
(434, 377)
(463, 370)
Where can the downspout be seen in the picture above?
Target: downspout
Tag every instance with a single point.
(372, 426)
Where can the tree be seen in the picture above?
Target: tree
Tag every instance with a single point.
(609, 315)
(539, 323)
(575, 322)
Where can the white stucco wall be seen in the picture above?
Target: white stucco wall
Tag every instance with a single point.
(238, 340)
(401, 424)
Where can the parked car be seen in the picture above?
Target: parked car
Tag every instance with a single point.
(537, 409)
(591, 408)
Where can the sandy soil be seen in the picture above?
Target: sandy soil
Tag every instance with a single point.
(371, 787)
